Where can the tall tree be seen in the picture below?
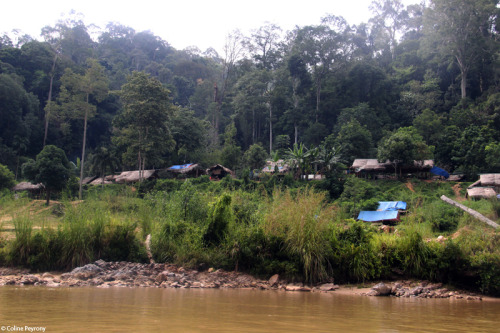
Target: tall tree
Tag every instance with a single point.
(233, 51)
(403, 147)
(323, 49)
(263, 45)
(462, 29)
(389, 20)
(75, 99)
(143, 128)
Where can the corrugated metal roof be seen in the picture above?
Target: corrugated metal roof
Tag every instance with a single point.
(391, 205)
(379, 216)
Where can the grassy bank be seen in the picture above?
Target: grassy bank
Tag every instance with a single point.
(263, 228)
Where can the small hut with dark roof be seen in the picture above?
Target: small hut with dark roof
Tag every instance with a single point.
(217, 172)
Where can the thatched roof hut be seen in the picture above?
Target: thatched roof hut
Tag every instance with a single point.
(88, 180)
(271, 167)
(490, 179)
(219, 171)
(100, 181)
(134, 176)
(481, 193)
(370, 164)
(27, 186)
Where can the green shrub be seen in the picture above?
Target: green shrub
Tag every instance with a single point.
(486, 266)
(412, 254)
(354, 258)
(7, 179)
(219, 217)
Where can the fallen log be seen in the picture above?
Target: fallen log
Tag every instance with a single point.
(470, 211)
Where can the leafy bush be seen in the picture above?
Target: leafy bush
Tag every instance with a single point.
(353, 258)
(219, 217)
(7, 179)
(486, 266)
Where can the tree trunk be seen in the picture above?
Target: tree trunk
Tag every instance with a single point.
(318, 97)
(463, 84)
(47, 196)
(270, 129)
(296, 134)
(47, 113)
(472, 212)
(83, 149)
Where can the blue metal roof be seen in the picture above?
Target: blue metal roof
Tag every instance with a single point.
(391, 205)
(369, 216)
(180, 167)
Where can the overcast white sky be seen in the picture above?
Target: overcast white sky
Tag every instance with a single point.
(182, 23)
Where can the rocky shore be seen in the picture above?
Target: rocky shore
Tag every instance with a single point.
(423, 289)
(104, 274)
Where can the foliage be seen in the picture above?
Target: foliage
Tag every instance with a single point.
(143, 125)
(354, 258)
(51, 168)
(255, 157)
(6, 177)
(404, 147)
(301, 221)
(219, 217)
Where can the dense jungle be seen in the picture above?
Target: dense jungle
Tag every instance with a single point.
(413, 83)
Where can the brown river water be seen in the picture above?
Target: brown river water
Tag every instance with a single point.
(87, 309)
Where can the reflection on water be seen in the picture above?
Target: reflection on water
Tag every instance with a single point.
(196, 310)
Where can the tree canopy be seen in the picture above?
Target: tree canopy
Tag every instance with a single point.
(429, 66)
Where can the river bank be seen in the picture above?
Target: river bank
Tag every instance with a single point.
(104, 274)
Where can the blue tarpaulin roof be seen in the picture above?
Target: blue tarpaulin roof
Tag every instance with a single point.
(180, 167)
(389, 215)
(391, 205)
(440, 172)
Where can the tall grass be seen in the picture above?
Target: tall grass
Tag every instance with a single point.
(302, 221)
(21, 246)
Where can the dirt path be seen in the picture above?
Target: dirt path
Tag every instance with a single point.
(456, 189)
(409, 185)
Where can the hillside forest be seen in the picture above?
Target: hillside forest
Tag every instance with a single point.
(414, 82)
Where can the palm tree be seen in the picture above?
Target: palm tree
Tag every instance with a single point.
(297, 158)
(328, 158)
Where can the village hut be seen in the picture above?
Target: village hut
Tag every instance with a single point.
(34, 190)
(103, 180)
(187, 170)
(372, 167)
(369, 167)
(490, 180)
(135, 176)
(272, 166)
(88, 180)
(27, 186)
(481, 193)
(217, 172)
